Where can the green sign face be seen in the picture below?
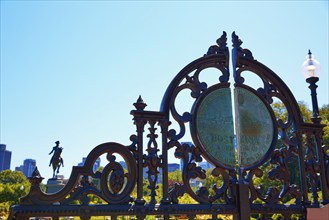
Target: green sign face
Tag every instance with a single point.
(214, 125)
(254, 127)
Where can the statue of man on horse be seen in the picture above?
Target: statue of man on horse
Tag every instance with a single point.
(56, 160)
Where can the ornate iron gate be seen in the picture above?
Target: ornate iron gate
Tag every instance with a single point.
(264, 142)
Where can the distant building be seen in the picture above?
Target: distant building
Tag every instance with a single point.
(28, 167)
(5, 158)
(20, 168)
(95, 166)
(173, 167)
(205, 165)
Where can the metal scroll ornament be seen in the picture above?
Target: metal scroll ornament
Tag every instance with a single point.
(253, 123)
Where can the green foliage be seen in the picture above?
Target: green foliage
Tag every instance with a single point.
(175, 177)
(96, 182)
(4, 209)
(95, 199)
(13, 185)
(211, 180)
(307, 115)
(326, 132)
(305, 111)
(12, 177)
(324, 113)
(280, 111)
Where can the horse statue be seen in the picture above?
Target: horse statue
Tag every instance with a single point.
(56, 160)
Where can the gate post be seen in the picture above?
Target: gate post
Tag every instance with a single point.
(241, 192)
(140, 123)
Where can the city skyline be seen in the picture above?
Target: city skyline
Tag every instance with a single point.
(30, 164)
(27, 167)
(71, 71)
(5, 157)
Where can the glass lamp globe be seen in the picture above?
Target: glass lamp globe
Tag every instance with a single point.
(311, 67)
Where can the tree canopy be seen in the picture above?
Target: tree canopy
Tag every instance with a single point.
(324, 114)
(13, 185)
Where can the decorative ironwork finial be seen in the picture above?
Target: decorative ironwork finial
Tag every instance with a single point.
(140, 104)
(36, 177)
(236, 41)
(220, 48)
(36, 173)
(222, 41)
(238, 51)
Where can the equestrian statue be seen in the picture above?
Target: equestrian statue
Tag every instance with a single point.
(56, 160)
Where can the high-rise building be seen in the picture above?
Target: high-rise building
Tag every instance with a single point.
(20, 168)
(5, 158)
(95, 166)
(28, 167)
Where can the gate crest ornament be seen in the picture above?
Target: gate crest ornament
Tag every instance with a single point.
(232, 126)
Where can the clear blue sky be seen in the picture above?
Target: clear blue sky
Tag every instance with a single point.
(71, 70)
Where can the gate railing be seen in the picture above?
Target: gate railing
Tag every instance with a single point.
(238, 195)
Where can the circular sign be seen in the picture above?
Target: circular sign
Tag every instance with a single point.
(256, 133)
(213, 127)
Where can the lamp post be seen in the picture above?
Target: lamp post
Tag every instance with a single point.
(311, 71)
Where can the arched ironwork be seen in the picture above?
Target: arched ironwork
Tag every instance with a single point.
(294, 141)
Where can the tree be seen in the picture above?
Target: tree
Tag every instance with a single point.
(280, 111)
(324, 113)
(175, 177)
(13, 185)
(305, 111)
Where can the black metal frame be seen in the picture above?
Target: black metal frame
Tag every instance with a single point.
(237, 195)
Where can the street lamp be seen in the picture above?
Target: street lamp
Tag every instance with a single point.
(311, 71)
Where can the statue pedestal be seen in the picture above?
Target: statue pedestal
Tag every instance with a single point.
(54, 185)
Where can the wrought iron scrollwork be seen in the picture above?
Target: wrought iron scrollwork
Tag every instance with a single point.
(225, 190)
(115, 186)
(237, 53)
(189, 154)
(152, 161)
(325, 150)
(312, 167)
(298, 143)
(280, 173)
(220, 48)
(190, 80)
(291, 150)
